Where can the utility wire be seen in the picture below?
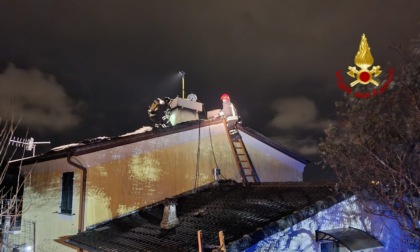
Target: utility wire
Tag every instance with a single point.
(197, 167)
(212, 149)
(214, 156)
(211, 143)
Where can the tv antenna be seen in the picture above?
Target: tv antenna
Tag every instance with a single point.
(28, 144)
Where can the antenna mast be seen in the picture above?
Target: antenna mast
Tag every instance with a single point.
(28, 144)
(182, 73)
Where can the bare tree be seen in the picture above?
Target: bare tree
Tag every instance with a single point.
(374, 147)
(10, 202)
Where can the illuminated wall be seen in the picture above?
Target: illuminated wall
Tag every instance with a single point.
(270, 164)
(348, 213)
(124, 178)
(41, 203)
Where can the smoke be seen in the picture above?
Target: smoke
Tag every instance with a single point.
(37, 99)
(296, 113)
(298, 121)
(306, 146)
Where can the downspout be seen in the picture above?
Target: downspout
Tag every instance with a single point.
(83, 197)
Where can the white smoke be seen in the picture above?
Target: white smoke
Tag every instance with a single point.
(298, 113)
(38, 99)
(298, 119)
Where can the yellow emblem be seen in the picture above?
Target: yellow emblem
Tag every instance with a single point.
(364, 60)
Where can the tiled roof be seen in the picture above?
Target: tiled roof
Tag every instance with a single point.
(245, 215)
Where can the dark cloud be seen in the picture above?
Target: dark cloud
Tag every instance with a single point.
(298, 124)
(117, 57)
(307, 146)
(37, 99)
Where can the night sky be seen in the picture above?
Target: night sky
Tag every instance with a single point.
(82, 69)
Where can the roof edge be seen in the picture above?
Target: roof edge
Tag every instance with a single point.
(123, 140)
(119, 140)
(162, 202)
(81, 246)
(282, 224)
(274, 145)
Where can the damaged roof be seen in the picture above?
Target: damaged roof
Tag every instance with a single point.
(246, 215)
(144, 133)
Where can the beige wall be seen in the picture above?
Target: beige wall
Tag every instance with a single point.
(41, 203)
(125, 178)
(272, 165)
(142, 173)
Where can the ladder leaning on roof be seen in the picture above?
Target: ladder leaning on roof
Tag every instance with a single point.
(243, 161)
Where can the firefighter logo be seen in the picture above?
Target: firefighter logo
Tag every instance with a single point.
(364, 60)
(364, 75)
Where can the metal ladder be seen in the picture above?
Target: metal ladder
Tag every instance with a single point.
(243, 161)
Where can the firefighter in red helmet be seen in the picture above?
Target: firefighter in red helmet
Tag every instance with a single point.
(230, 114)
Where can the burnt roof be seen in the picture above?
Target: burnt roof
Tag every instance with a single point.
(246, 215)
(97, 144)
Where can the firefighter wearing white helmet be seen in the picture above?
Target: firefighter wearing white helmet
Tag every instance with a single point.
(230, 114)
(159, 112)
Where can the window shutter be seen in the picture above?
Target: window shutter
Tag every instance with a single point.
(67, 192)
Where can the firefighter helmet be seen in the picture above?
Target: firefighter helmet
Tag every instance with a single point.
(225, 97)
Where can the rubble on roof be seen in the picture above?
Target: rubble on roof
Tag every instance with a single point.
(139, 131)
(95, 140)
(100, 139)
(63, 147)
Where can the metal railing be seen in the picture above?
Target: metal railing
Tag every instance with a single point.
(16, 234)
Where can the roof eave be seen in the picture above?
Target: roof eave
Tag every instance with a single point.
(118, 141)
(82, 246)
(274, 145)
(288, 221)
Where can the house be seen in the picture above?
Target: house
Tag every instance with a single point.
(152, 190)
(284, 216)
(74, 187)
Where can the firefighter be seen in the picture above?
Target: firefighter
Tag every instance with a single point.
(159, 112)
(230, 114)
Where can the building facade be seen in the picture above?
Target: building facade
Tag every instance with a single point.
(80, 185)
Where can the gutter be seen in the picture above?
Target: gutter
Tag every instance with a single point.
(83, 197)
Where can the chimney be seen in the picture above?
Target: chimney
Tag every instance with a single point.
(169, 219)
(184, 110)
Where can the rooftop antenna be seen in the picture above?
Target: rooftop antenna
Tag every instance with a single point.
(182, 73)
(28, 144)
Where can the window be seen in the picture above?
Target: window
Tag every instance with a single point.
(11, 214)
(329, 247)
(332, 246)
(67, 192)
